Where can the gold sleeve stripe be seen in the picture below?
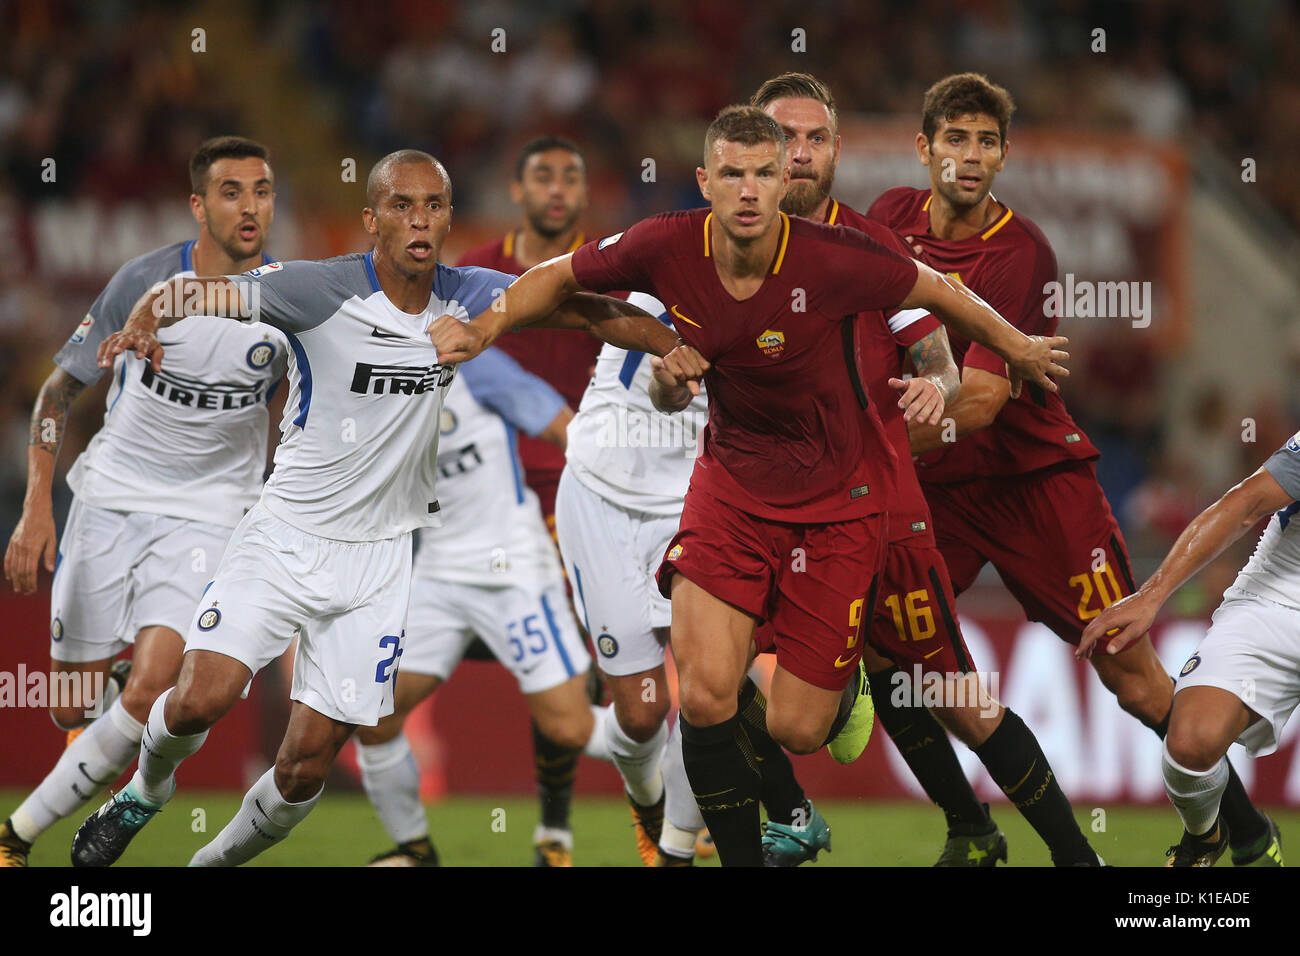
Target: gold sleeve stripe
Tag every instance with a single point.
(707, 220)
(785, 239)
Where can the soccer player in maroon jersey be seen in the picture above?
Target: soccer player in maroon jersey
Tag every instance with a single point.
(784, 519)
(550, 186)
(914, 624)
(1018, 487)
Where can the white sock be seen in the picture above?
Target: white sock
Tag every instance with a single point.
(639, 763)
(263, 820)
(94, 760)
(1195, 794)
(161, 753)
(598, 743)
(680, 808)
(392, 782)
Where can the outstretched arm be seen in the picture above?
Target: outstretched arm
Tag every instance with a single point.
(550, 290)
(34, 537)
(1201, 542)
(1029, 357)
(166, 304)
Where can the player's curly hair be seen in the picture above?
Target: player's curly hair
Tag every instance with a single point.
(962, 94)
(803, 85)
(221, 147)
(747, 125)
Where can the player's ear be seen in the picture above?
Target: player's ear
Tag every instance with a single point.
(702, 177)
(196, 209)
(368, 221)
(517, 192)
(923, 149)
(1006, 148)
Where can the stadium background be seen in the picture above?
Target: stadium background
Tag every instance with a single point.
(1161, 159)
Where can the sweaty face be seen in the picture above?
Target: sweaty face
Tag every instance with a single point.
(412, 217)
(745, 185)
(553, 191)
(238, 205)
(964, 157)
(812, 149)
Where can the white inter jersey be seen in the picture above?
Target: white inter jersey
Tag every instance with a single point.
(359, 440)
(188, 441)
(492, 530)
(622, 447)
(1273, 571)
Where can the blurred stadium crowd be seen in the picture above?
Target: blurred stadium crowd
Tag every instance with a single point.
(116, 94)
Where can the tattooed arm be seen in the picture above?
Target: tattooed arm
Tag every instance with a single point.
(34, 537)
(933, 361)
(981, 398)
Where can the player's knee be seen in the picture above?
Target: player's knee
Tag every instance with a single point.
(1143, 700)
(300, 777)
(566, 730)
(797, 733)
(1191, 747)
(704, 705)
(193, 712)
(139, 695)
(69, 718)
(642, 723)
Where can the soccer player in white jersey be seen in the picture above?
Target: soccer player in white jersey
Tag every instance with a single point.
(617, 508)
(490, 571)
(176, 464)
(1243, 681)
(327, 549)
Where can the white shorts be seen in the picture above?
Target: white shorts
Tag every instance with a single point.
(118, 572)
(1252, 650)
(611, 555)
(346, 600)
(530, 630)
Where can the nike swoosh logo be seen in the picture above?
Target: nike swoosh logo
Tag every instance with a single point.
(529, 670)
(840, 663)
(385, 335)
(684, 318)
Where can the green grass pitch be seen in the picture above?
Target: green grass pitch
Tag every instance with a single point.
(343, 831)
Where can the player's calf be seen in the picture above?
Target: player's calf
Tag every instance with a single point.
(311, 743)
(799, 715)
(209, 685)
(75, 688)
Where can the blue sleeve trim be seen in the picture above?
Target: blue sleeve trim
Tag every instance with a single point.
(304, 384)
(187, 256)
(512, 443)
(369, 260)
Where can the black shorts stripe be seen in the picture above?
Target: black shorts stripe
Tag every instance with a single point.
(950, 622)
(850, 360)
(1125, 571)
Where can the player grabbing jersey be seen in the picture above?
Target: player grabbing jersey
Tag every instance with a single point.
(326, 551)
(792, 456)
(1018, 487)
(176, 464)
(490, 571)
(914, 625)
(1243, 681)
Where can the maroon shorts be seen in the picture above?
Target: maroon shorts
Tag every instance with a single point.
(1050, 534)
(809, 581)
(915, 621)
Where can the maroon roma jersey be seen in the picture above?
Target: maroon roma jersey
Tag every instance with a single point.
(791, 434)
(561, 358)
(1009, 266)
(882, 343)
